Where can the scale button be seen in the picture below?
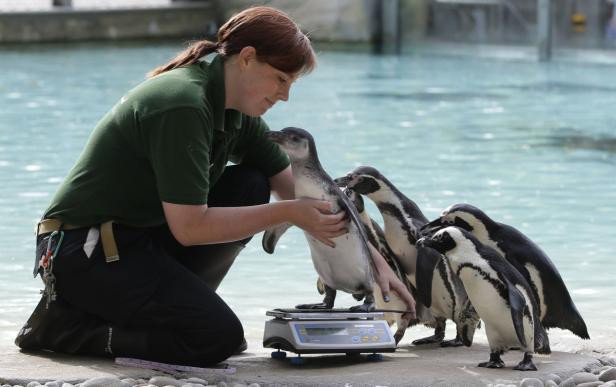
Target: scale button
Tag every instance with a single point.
(356, 339)
(370, 331)
(375, 338)
(365, 339)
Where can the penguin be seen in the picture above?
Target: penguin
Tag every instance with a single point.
(502, 296)
(437, 287)
(348, 266)
(376, 236)
(555, 304)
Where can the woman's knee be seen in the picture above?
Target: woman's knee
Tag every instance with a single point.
(240, 185)
(256, 185)
(213, 345)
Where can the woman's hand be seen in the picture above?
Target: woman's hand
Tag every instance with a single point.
(316, 218)
(387, 281)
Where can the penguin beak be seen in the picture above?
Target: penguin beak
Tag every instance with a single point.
(429, 229)
(466, 338)
(277, 137)
(343, 181)
(422, 242)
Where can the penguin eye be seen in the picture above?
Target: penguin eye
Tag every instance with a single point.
(294, 138)
(449, 220)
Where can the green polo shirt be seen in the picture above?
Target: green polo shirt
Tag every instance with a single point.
(169, 139)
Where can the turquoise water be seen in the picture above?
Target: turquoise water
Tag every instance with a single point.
(532, 144)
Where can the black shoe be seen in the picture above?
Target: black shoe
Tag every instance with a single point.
(28, 337)
(62, 328)
(243, 347)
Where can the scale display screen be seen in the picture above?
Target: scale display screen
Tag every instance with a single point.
(311, 331)
(341, 333)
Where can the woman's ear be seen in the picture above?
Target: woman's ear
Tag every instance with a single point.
(247, 54)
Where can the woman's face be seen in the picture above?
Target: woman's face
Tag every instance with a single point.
(261, 86)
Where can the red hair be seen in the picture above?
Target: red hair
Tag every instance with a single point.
(276, 38)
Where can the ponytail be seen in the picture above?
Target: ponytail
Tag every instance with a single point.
(187, 57)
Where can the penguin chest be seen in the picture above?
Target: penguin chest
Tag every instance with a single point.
(313, 189)
(444, 300)
(345, 267)
(494, 310)
(537, 283)
(406, 252)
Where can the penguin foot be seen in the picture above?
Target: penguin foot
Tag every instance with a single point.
(457, 342)
(365, 307)
(526, 364)
(429, 340)
(358, 296)
(494, 362)
(320, 305)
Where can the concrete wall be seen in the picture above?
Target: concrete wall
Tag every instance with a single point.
(323, 20)
(191, 20)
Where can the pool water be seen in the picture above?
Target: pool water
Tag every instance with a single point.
(532, 144)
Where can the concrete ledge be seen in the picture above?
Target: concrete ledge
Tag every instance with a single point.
(192, 20)
(408, 366)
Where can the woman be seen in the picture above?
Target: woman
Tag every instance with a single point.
(150, 218)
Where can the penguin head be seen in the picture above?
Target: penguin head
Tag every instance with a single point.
(296, 142)
(462, 215)
(441, 241)
(363, 180)
(356, 198)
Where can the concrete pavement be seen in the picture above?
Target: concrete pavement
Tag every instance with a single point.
(408, 366)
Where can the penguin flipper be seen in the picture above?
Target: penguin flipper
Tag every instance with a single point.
(517, 304)
(271, 236)
(346, 205)
(565, 316)
(427, 259)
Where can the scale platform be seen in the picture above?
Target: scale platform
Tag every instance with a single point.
(327, 331)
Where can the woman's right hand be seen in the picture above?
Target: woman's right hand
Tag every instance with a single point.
(316, 218)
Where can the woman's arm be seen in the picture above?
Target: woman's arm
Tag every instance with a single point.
(199, 224)
(387, 280)
(282, 184)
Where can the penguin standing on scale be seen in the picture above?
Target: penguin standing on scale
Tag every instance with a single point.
(556, 307)
(349, 265)
(439, 289)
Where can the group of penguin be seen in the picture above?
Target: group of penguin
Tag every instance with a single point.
(462, 266)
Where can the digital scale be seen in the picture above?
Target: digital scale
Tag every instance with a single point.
(327, 331)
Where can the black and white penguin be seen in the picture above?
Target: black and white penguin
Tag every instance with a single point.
(376, 236)
(501, 295)
(437, 287)
(555, 304)
(348, 266)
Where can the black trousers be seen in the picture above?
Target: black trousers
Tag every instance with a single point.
(158, 302)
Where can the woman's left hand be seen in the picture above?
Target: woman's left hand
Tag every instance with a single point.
(388, 281)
